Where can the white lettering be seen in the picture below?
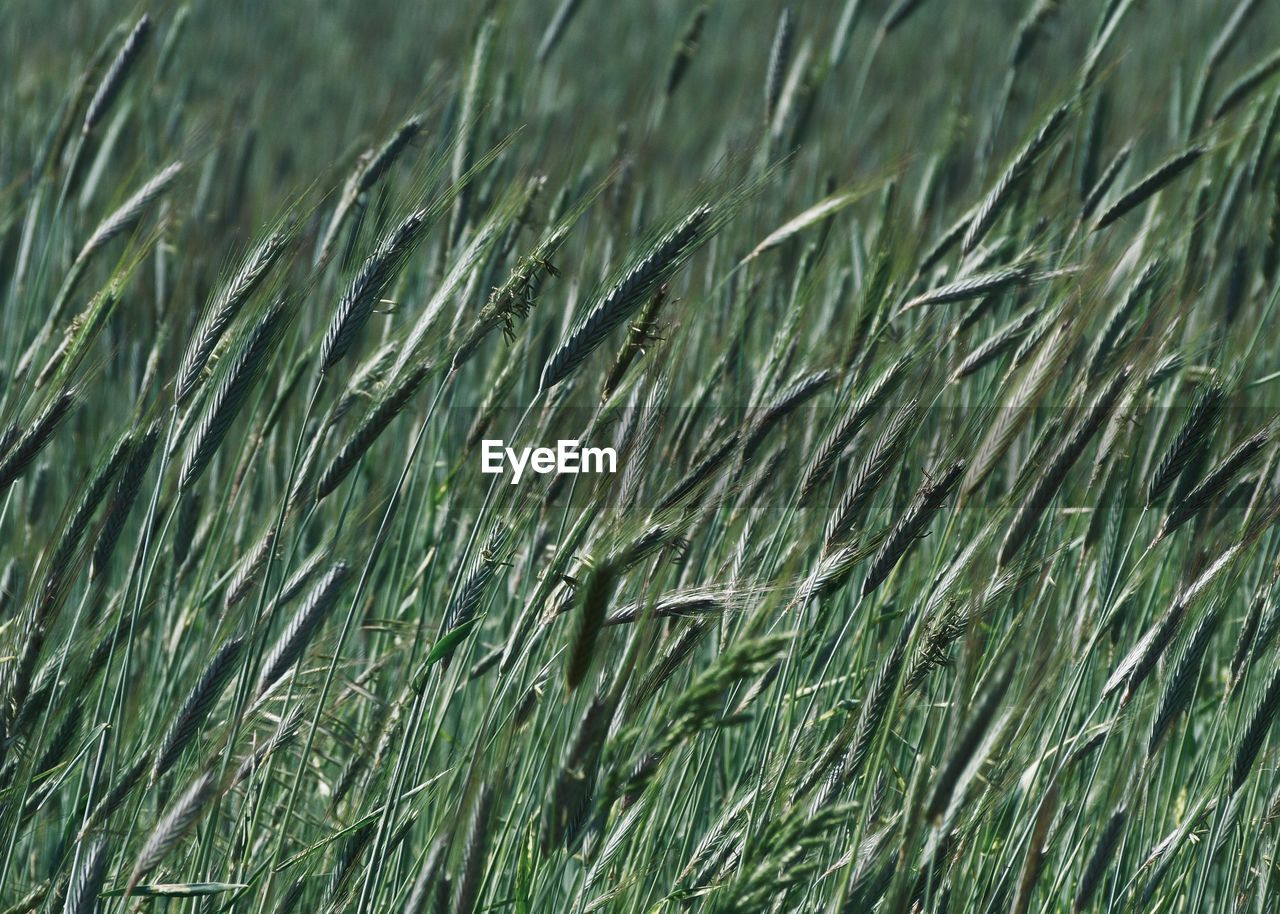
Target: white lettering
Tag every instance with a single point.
(544, 460)
(517, 463)
(568, 456)
(491, 461)
(598, 454)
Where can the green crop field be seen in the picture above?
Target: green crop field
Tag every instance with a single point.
(640, 456)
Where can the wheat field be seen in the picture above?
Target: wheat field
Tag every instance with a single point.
(936, 568)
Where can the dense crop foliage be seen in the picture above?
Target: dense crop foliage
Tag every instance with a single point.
(939, 570)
